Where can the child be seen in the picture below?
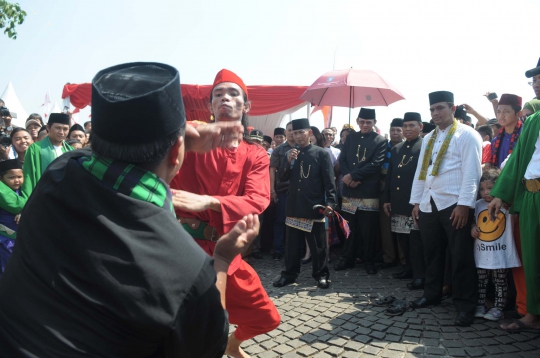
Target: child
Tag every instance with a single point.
(494, 249)
(11, 204)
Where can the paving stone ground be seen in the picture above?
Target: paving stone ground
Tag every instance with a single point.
(342, 322)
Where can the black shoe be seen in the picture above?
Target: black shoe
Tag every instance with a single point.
(306, 261)
(277, 257)
(416, 284)
(423, 302)
(323, 283)
(343, 265)
(257, 255)
(371, 269)
(464, 319)
(283, 281)
(402, 275)
(386, 265)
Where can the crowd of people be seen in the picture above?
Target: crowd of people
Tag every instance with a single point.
(152, 258)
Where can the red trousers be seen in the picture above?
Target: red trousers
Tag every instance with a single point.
(248, 304)
(518, 272)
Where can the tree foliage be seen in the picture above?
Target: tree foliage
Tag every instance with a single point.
(10, 15)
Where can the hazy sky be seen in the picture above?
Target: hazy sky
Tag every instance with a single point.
(467, 47)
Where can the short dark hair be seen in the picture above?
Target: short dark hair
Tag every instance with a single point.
(17, 130)
(43, 128)
(485, 130)
(288, 124)
(87, 122)
(516, 109)
(2, 103)
(148, 155)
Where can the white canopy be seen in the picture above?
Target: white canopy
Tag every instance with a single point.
(18, 113)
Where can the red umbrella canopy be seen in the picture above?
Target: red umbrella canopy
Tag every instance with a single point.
(351, 88)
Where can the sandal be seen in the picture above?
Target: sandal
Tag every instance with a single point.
(397, 308)
(522, 327)
(383, 302)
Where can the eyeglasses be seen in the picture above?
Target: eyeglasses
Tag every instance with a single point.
(532, 82)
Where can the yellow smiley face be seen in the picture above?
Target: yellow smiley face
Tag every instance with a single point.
(491, 230)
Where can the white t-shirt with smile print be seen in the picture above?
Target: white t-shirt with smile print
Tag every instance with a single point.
(495, 247)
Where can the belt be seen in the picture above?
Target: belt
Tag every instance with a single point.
(531, 185)
(199, 229)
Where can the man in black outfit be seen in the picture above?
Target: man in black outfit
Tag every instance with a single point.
(397, 192)
(360, 163)
(311, 176)
(119, 276)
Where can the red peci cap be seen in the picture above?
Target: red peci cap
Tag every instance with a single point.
(510, 100)
(229, 76)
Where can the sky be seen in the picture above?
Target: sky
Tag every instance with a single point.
(467, 47)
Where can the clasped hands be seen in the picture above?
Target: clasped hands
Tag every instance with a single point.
(348, 180)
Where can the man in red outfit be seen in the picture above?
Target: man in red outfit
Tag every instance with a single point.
(217, 189)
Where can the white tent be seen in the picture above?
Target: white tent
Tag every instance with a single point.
(18, 113)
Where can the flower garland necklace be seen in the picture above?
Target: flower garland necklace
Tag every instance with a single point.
(440, 155)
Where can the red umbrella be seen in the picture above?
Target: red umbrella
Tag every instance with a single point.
(351, 88)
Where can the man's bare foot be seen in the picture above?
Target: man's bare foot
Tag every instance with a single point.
(233, 348)
(529, 321)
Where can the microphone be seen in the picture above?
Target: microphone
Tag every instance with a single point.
(294, 160)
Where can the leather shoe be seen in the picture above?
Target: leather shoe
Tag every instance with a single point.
(464, 319)
(402, 275)
(386, 265)
(416, 284)
(323, 283)
(343, 265)
(283, 281)
(277, 257)
(423, 302)
(371, 269)
(306, 261)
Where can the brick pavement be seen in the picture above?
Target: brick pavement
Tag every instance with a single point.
(341, 322)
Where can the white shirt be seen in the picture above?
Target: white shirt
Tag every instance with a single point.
(495, 247)
(459, 172)
(533, 168)
(58, 150)
(334, 154)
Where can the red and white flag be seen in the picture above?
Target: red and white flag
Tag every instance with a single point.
(46, 105)
(327, 114)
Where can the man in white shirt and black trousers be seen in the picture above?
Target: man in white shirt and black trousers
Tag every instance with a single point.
(444, 190)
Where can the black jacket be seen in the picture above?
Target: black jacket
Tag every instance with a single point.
(317, 189)
(362, 157)
(96, 273)
(400, 177)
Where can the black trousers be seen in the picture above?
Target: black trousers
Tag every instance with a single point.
(416, 254)
(318, 246)
(404, 243)
(438, 234)
(362, 241)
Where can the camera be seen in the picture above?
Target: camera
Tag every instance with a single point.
(4, 112)
(5, 140)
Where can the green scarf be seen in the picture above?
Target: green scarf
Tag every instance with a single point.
(533, 105)
(47, 156)
(130, 180)
(442, 152)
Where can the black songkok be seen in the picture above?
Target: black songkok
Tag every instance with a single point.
(396, 122)
(302, 123)
(137, 103)
(367, 113)
(279, 131)
(441, 96)
(61, 118)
